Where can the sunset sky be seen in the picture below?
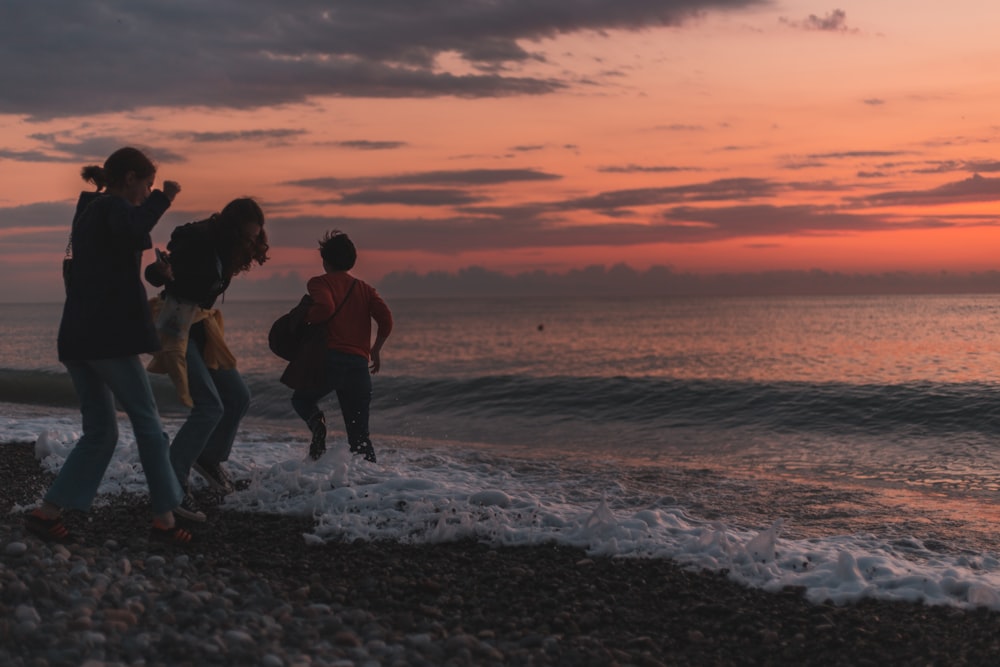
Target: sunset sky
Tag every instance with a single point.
(519, 135)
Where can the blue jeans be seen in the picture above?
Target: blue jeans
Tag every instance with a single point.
(221, 399)
(348, 375)
(98, 383)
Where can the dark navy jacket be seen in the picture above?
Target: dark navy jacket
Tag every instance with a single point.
(106, 314)
(196, 250)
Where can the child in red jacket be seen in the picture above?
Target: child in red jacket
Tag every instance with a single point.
(351, 357)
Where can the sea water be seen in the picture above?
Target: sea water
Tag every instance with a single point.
(846, 445)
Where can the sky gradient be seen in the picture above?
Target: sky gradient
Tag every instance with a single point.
(516, 136)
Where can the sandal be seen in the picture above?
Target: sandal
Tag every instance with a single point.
(173, 535)
(50, 530)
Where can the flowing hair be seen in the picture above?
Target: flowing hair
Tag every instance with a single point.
(230, 221)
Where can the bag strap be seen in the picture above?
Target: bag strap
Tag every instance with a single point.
(342, 302)
(69, 241)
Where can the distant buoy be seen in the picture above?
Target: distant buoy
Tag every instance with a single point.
(541, 327)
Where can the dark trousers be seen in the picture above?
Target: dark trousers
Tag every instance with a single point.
(348, 375)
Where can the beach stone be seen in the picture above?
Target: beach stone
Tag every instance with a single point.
(15, 549)
(121, 616)
(347, 638)
(91, 638)
(80, 623)
(238, 637)
(25, 613)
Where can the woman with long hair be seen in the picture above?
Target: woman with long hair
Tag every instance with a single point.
(203, 257)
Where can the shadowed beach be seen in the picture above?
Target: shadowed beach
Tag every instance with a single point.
(251, 591)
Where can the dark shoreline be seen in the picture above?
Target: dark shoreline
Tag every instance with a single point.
(457, 604)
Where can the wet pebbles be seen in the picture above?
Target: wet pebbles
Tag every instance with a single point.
(252, 592)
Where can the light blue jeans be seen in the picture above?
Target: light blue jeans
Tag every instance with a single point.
(98, 383)
(221, 399)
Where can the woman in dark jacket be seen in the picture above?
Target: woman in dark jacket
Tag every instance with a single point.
(203, 257)
(105, 325)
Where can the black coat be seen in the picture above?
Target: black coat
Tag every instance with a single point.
(106, 314)
(196, 251)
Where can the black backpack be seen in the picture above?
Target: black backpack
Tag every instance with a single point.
(290, 331)
(289, 334)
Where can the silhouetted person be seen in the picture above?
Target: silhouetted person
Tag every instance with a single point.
(106, 325)
(350, 352)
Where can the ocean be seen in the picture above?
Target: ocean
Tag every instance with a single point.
(849, 446)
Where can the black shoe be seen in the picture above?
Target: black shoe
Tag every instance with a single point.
(317, 425)
(364, 447)
(188, 509)
(215, 475)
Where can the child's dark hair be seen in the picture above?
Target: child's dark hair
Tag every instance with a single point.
(338, 251)
(117, 167)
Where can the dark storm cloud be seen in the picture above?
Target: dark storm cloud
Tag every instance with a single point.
(795, 166)
(677, 225)
(547, 224)
(31, 156)
(368, 145)
(644, 169)
(940, 167)
(974, 189)
(459, 234)
(648, 215)
(947, 166)
(814, 160)
(678, 127)
(412, 197)
(622, 203)
(38, 216)
(835, 21)
(58, 148)
(719, 190)
(77, 57)
(699, 225)
(984, 166)
(848, 155)
(466, 177)
(274, 135)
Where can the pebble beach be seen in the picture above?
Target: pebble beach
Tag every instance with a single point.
(251, 591)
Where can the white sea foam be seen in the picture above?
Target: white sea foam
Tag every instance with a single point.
(429, 494)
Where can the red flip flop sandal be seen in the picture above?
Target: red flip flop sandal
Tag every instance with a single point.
(173, 535)
(50, 530)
